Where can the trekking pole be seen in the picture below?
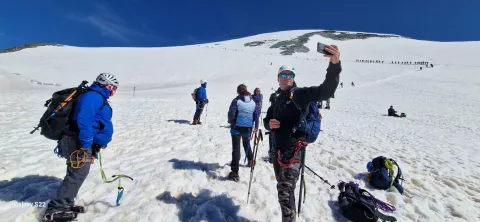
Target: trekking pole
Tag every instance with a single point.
(61, 105)
(326, 181)
(206, 113)
(302, 180)
(258, 137)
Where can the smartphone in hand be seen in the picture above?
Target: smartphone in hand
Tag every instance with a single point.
(321, 49)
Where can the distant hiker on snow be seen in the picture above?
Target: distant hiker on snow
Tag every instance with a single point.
(353, 84)
(242, 114)
(89, 129)
(283, 117)
(392, 112)
(201, 99)
(341, 84)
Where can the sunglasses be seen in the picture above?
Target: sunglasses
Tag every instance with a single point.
(285, 75)
(112, 89)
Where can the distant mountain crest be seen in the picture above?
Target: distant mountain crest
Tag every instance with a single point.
(26, 46)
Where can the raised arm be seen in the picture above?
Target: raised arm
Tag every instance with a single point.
(304, 96)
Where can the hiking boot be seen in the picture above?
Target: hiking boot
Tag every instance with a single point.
(194, 122)
(61, 210)
(60, 216)
(234, 176)
(250, 163)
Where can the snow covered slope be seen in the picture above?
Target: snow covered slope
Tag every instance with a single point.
(180, 170)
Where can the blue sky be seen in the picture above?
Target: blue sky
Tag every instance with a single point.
(150, 23)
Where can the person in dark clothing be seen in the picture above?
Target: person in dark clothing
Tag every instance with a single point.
(258, 98)
(271, 146)
(283, 115)
(327, 105)
(272, 98)
(353, 84)
(341, 84)
(242, 114)
(392, 112)
(200, 100)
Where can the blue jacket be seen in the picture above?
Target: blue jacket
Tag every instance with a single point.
(90, 117)
(202, 93)
(243, 112)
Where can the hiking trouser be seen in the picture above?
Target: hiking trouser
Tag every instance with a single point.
(74, 177)
(271, 147)
(240, 133)
(199, 110)
(287, 178)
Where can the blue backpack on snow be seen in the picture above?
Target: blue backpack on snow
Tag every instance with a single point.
(310, 120)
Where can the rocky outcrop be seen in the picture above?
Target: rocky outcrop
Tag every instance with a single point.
(258, 43)
(291, 46)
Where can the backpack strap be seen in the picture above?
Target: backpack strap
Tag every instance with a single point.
(384, 217)
(376, 212)
(292, 90)
(399, 175)
(307, 110)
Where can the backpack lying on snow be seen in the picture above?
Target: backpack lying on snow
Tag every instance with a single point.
(358, 205)
(381, 174)
(310, 120)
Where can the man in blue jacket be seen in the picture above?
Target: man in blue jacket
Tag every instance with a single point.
(90, 128)
(201, 100)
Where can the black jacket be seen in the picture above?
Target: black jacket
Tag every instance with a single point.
(391, 112)
(283, 110)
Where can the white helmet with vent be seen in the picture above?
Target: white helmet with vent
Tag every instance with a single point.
(107, 79)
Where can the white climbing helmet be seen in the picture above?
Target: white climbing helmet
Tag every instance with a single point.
(107, 79)
(286, 68)
(203, 81)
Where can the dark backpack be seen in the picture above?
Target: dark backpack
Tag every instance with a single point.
(381, 174)
(309, 122)
(58, 116)
(358, 205)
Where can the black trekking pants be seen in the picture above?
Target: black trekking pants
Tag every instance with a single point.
(199, 110)
(240, 133)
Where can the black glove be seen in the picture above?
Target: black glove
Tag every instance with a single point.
(206, 101)
(95, 149)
